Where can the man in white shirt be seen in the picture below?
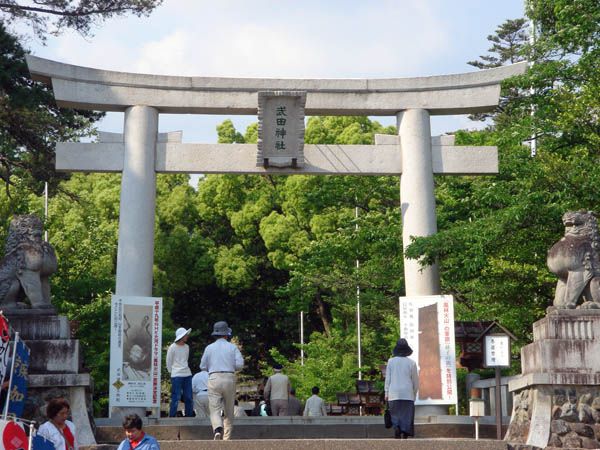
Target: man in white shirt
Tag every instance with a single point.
(200, 389)
(221, 359)
(277, 392)
(315, 406)
(181, 375)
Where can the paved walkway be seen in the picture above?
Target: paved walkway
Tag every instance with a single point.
(328, 444)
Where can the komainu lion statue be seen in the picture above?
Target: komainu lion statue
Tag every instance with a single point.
(575, 259)
(28, 262)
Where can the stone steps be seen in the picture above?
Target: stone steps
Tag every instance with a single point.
(329, 444)
(110, 431)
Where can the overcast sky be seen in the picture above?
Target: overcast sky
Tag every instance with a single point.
(291, 39)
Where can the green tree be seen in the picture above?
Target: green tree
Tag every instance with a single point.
(227, 133)
(84, 234)
(30, 121)
(565, 80)
(495, 232)
(507, 47)
(79, 15)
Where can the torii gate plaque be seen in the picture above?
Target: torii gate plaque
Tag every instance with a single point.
(413, 155)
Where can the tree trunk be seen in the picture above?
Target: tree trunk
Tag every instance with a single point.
(323, 310)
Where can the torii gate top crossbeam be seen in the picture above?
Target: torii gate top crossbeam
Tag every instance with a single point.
(103, 90)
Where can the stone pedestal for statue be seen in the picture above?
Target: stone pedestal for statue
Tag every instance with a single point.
(557, 397)
(55, 368)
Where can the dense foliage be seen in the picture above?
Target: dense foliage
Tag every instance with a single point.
(494, 233)
(30, 122)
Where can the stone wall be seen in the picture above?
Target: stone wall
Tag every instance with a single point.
(575, 416)
(518, 430)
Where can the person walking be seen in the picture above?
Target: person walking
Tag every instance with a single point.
(200, 390)
(295, 407)
(135, 437)
(221, 360)
(58, 430)
(181, 375)
(238, 411)
(315, 406)
(401, 386)
(277, 391)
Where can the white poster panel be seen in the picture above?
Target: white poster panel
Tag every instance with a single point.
(497, 350)
(427, 323)
(135, 351)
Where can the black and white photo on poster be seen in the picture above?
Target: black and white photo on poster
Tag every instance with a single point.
(137, 342)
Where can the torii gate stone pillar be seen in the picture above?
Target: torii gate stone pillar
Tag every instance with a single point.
(417, 197)
(413, 155)
(135, 253)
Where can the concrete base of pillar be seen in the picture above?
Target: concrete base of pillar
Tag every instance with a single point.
(557, 398)
(55, 369)
(119, 412)
(431, 410)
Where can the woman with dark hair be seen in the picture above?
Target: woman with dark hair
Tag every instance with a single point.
(59, 430)
(401, 386)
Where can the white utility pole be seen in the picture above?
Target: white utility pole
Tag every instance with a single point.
(302, 338)
(358, 331)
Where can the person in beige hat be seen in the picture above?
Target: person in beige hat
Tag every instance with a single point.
(181, 375)
(221, 359)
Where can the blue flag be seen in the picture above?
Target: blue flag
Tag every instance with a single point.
(18, 382)
(40, 443)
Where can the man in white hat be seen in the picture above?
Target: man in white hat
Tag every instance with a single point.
(221, 359)
(181, 375)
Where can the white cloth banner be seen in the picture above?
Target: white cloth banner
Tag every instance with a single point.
(135, 351)
(427, 323)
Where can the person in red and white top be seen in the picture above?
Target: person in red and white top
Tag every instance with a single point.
(59, 430)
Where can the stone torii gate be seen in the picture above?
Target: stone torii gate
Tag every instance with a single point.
(141, 152)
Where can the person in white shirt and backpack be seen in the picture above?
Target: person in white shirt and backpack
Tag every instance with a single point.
(181, 375)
